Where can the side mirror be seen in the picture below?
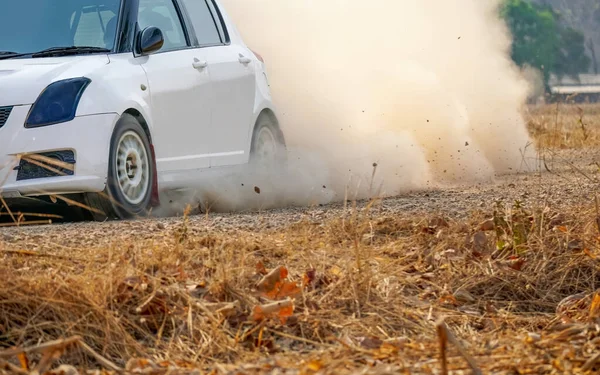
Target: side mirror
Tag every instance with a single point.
(151, 40)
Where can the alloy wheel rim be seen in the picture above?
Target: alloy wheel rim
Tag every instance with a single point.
(133, 168)
(266, 146)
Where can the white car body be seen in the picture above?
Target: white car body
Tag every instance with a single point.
(200, 106)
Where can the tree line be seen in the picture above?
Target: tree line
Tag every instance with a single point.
(542, 41)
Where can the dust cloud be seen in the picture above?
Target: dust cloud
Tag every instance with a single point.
(383, 96)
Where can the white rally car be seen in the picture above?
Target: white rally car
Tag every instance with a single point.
(112, 101)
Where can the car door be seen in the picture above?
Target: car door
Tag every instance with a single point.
(180, 91)
(232, 74)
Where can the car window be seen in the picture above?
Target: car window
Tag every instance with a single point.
(164, 15)
(203, 22)
(219, 20)
(34, 25)
(93, 28)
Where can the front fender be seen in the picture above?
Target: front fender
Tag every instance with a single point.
(117, 87)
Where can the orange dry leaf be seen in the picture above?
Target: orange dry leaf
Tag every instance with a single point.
(305, 280)
(286, 289)
(308, 278)
(589, 253)
(24, 361)
(274, 286)
(271, 280)
(135, 364)
(260, 268)
(516, 263)
(562, 228)
(280, 309)
(595, 306)
(386, 350)
(314, 366)
(449, 299)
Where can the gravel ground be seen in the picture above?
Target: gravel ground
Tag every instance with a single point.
(572, 178)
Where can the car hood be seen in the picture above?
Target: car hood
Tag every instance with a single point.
(22, 80)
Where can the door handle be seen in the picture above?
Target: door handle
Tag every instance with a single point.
(244, 60)
(197, 64)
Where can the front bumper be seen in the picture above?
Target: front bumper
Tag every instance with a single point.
(88, 137)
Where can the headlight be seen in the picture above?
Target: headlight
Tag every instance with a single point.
(57, 103)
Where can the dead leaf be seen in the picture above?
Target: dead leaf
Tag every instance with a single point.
(449, 299)
(370, 342)
(24, 361)
(272, 279)
(516, 263)
(309, 277)
(288, 289)
(260, 268)
(274, 286)
(487, 225)
(314, 365)
(139, 364)
(386, 350)
(595, 306)
(280, 309)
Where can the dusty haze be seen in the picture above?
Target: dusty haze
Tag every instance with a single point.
(424, 89)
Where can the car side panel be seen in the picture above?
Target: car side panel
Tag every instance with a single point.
(116, 88)
(234, 89)
(181, 98)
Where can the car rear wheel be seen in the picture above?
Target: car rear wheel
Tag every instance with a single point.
(268, 148)
(128, 190)
(268, 164)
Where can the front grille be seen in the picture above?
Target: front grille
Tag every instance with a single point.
(40, 166)
(4, 113)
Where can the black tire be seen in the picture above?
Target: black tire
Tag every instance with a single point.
(112, 203)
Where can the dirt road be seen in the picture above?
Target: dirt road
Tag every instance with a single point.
(568, 178)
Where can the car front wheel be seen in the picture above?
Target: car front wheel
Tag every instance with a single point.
(128, 190)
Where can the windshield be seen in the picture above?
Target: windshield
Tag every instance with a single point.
(28, 26)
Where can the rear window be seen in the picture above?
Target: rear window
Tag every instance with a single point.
(204, 22)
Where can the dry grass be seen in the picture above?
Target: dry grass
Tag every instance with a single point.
(516, 286)
(374, 289)
(560, 126)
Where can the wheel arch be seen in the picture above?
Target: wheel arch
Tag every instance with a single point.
(141, 119)
(269, 114)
